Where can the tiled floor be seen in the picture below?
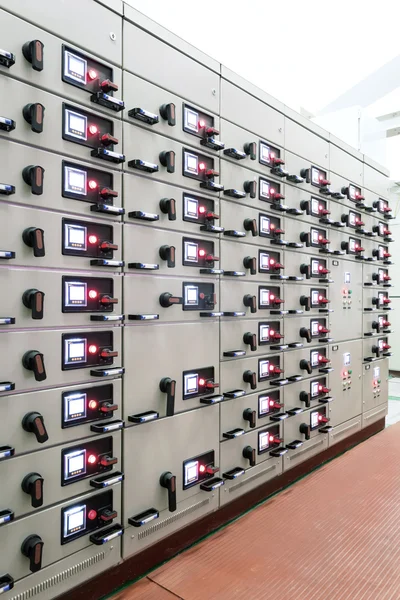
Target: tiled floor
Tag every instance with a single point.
(331, 536)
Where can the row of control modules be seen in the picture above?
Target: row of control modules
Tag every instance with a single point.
(195, 291)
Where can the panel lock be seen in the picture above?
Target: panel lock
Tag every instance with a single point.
(32, 548)
(33, 422)
(167, 253)
(168, 481)
(34, 300)
(168, 207)
(33, 176)
(33, 114)
(33, 53)
(34, 238)
(33, 361)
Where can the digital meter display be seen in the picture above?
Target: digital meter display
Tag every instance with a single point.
(74, 464)
(264, 333)
(315, 267)
(191, 472)
(191, 163)
(75, 351)
(75, 67)
(265, 225)
(314, 175)
(74, 407)
(263, 369)
(75, 181)
(263, 441)
(75, 237)
(75, 125)
(191, 207)
(191, 384)
(264, 297)
(191, 295)
(314, 419)
(265, 152)
(191, 252)
(74, 520)
(314, 328)
(191, 120)
(314, 389)
(314, 359)
(75, 293)
(314, 236)
(264, 261)
(264, 188)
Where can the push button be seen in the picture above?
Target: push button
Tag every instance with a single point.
(34, 115)
(32, 484)
(168, 481)
(33, 176)
(33, 361)
(34, 238)
(33, 422)
(34, 300)
(32, 548)
(33, 53)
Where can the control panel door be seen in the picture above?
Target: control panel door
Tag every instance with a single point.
(346, 382)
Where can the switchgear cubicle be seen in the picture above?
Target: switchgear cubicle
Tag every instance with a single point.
(195, 290)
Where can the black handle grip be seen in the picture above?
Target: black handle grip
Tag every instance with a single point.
(33, 361)
(167, 159)
(168, 481)
(33, 53)
(168, 386)
(34, 300)
(33, 114)
(168, 113)
(33, 176)
(168, 253)
(32, 548)
(33, 422)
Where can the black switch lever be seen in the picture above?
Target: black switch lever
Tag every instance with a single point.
(33, 52)
(34, 238)
(251, 150)
(168, 207)
(250, 302)
(306, 302)
(33, 361)
(32, 484)
(251, 378)
(251, 340)
(250, 262)
(167, 159)
(251, 225)
(306, 398)
(33, 175)
(168, 386)
(168, 253)
(306, 333)
(168, 481)
(306, 366)
(250, 454)
(34, 115)
(305, 270)
(168, 113)
(250, 187)
(32, 547)
(250, 416)
(168, 299)
(33, 422)
(34, 300)
(305, 429)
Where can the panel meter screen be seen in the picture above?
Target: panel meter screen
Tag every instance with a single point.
(264, 188)
(314, 236)
(75, 181)
(191, 472)
(315, 267)
(314, 359)
(265, 225)
(191, 295)
(346, 359)
(314, 389)
(191, 251)
(75, 293)
(352, 245)
(191, 163)
(264, 297)
(264, 333)
(264, 261)
(265, 152)
(347, 277)
(191, 207)
(191, 384)
(74, 407)
(376, 372)
(352, 219)
(314, 419)
(75, 67)
(263, 441)
(263, 405)
(75, 351)
(191, 120)
(314, 327)
(74, 520)
(315, 206)
(314, 175)
(75, 237)
(75, 125)
(74, 464)
(263, 369)
(314, 297)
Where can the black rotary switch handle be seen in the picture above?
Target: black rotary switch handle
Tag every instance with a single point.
(168, 481)
(250, 187)
(168, 386)
(168, 207)
(305, 365)
(251, 150)
(305, 429)
(168, 113)
(250, 454)
(34, 238)
(306, 398)
(33, 176)
(166, 299)
(33, 361)
(167, 159)
(33, 114)
(251, 340)
(306, 334)
(32, 548)
(305, 270)
(250, 416)
(251, 302)
(33, 52)
(34, 300)
(168, 253)
(306, 302)
(32, 484)
(250, 262)
(33, 422)
(251, 225)
(251, 378)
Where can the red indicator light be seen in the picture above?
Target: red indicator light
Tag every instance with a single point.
(272, 332)
(93, 129)
(320, 237)
(271, 402)
(272, 191)
(272, 297)
(92, 184)
(202, 469)
(92, 404)
(202, 252)
(272, 226)
(92, 349)
(321, 177)
(202, 166)
(320, 297)
(320, 267)
(320, 357)
(319, 327)
(92, 294)
(202, 123)
(92, 74)
(320, 417)
(320, 207)
(271, 367)
(272, 261)
(320, 387)
(92, 514)
(92, 239)
(92, 459)
(272, 154)
(202, 209)
(202, 381)
(271, 438)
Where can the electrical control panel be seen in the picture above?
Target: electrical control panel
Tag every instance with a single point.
(196, 291)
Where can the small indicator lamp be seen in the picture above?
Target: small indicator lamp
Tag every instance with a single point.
(320, 207)
(271, 438)
(93, 129)
(320, 417)
(320, 267)
(272, 226)
(92, 404)
(320, 237)
(92, 349)
(92, 239)
(271, 367)
(272, 261)
(202, 166)
(92, 74)
(272, 297)
(272, 332)
(272, 155)
(202, 469)
(271, 191)
(202, 252)
(321, 177)
(92, 514)
(202, 123)
(92, 294)
(92, 459)
(319, 327)
(92, 184)
(320, 297)
(320, 387)
(202, 381)
(202, 209)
